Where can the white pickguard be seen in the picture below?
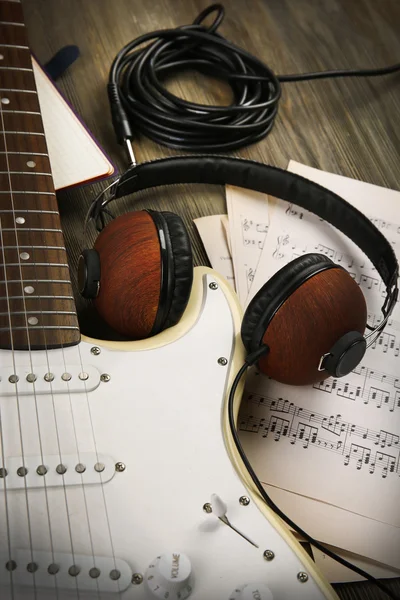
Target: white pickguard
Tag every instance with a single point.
(161, 414)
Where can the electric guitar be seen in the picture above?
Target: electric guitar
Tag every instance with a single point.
(118, 475)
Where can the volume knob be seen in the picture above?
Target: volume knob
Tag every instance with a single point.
(170, 576)
(252, 591)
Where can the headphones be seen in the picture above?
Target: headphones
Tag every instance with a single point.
(311, 315)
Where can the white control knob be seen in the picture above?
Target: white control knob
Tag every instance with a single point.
(252, 591)
(169, 577)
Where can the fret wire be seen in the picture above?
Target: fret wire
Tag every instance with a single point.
(31, 210)
(19, 47)
(64, 265)
(24, 173)
(15, 90)
(16, 69)
(22, 133)
(28, 296)
(40, 327)
(33, 229)
(31, 192)
(31, 246)
(21, 112)
(39, 312)
(55, 281)
(28, 153)
(13, 23)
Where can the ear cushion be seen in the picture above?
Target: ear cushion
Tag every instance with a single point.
(273, 293)
(182, 267)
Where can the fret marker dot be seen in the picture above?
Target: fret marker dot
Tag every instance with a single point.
(29, 289)
(24, 256)
(20, 220)
(31, 164)
(33, 320)
(5, 100)
(1, 56)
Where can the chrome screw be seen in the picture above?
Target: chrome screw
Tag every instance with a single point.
(207, 508)
(120, 467)
(244, 500)
(213, 285)
(137, 578)
(222, 361)
(95, 350)
(105, 377)
(302, 577)
(268, 555)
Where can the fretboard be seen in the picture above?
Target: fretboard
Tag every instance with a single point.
(37, 308)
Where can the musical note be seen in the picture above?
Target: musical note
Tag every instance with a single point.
(295, 427)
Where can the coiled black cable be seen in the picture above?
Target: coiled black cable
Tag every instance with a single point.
(140, 102)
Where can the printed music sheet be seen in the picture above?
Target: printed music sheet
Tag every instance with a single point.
(339, 441)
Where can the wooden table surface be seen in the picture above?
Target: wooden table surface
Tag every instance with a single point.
(346, 126)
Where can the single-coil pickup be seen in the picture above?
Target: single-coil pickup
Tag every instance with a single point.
(62, 571)
(18, 473)
(61, 379)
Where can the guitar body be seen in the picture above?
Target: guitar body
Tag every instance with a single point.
(121, 456)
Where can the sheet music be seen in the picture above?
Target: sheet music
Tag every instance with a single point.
(248, 224)
(213, 235)
(337, 442)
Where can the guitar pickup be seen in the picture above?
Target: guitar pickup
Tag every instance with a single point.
(70, 379)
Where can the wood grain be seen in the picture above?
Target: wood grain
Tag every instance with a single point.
(347, 126)
(130, 259)
(37, 310)
(309, 323)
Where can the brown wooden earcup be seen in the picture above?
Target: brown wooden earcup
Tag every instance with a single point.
(301, 313)
(146, 272)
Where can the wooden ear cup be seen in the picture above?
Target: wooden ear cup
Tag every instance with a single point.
(146, 273)
(321, 307)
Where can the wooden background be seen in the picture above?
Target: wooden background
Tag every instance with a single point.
(346, 126)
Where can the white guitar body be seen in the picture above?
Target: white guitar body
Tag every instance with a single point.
(147, 421)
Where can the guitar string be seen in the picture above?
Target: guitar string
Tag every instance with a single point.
(65, 492)
(54, 415)
(2, 438)
(13, 354)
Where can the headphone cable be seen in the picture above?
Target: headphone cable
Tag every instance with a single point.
(139, 101)
(251, 359)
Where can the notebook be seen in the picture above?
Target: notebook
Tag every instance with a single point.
(75, 156)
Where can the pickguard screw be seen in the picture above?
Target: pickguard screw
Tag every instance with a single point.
(105, 377)
(244, 500)
(120, 467)
(302, 577)
(222, 361)
(207, 508)
(213, 285)
(269, 555)
(95, 350)
(137, 578)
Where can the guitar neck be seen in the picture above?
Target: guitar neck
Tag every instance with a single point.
(37, 308)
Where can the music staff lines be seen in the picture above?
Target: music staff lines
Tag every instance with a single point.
(374, 395)
(295, 426)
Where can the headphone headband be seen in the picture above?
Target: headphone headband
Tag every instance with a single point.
(269, 180)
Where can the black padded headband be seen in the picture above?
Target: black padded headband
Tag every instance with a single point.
(269, 180)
